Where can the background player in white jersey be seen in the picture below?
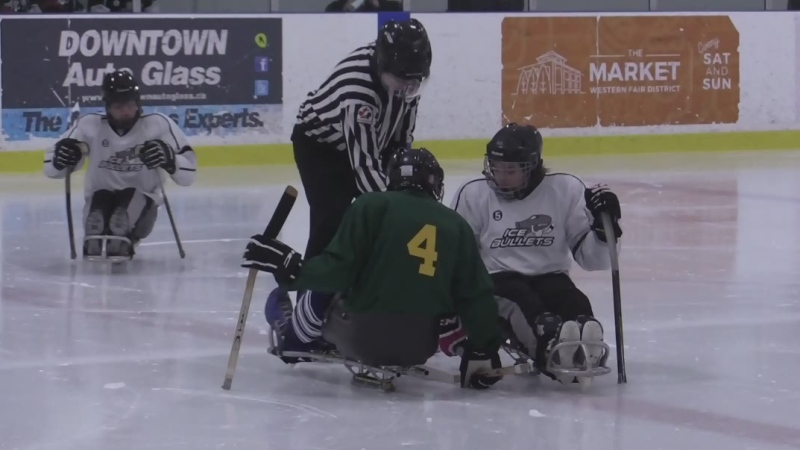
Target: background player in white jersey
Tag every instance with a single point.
(125, 150)
(528, 222)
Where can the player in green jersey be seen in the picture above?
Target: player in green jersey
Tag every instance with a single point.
(399, 256)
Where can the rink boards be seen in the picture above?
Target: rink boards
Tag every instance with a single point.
(595, 83)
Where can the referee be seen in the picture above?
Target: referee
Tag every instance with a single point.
(349, 126)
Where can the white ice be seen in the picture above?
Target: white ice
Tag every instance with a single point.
(97, 358)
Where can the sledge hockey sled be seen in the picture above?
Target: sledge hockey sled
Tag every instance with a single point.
(378, 348)
(103, 256)
(584, 373)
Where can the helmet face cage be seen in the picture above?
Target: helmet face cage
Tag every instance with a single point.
(436, 182)
(490, 169)
(512, 156)
(408, 88)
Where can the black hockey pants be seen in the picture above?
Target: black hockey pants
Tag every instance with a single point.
(142, 211)
(522, 298)
(330, 187)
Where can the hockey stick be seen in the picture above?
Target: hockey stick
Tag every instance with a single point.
(68, 189)
(516, 369)
(171, 219)
(279, 217)
(608, 227)
(140, 151)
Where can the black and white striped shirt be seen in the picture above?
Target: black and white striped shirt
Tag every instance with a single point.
(352, 111)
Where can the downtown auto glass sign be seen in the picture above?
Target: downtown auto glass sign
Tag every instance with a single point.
(197, 61)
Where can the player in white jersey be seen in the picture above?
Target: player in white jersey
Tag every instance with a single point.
(127, 151)
(529, 225)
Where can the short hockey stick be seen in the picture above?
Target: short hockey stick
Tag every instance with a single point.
(68, 189)
(273, 228)
(171, 218)
(608, 227)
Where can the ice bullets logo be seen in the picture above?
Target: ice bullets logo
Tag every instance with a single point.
(530, 232)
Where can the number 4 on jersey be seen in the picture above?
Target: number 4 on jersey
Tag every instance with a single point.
(423, 245)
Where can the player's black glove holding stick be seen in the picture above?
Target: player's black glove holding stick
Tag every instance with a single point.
(157, 153)
(273, 256)
(600, 199)
(67, 153)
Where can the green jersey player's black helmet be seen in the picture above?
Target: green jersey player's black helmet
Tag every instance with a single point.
(513, 163)
(120, 88)
(416, 169)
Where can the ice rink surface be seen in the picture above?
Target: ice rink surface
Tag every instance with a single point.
(97, 358)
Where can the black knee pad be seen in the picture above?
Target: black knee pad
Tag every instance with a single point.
(546, 325)
(147, 221)
(546, 328)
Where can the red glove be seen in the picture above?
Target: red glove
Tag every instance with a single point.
(451, 335)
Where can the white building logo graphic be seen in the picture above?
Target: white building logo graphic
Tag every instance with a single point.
(550, 74)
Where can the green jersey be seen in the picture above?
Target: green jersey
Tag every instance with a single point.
(403, 251)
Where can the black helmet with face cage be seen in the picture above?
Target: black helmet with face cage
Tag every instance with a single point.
(514, 143)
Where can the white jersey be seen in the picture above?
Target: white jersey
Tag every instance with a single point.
(535, 235)
(113, 160)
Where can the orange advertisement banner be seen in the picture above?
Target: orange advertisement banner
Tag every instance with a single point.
(569, 72)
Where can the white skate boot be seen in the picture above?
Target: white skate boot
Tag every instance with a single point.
(594, 351)
(564, 350)
(120, 227)
(95, 225)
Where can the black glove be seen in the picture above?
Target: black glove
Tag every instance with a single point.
(67, 153)
(157, 153)
(273, 256)
(599, 200)
(473, 362)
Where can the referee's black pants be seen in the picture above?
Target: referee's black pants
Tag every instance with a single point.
(327, 178)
